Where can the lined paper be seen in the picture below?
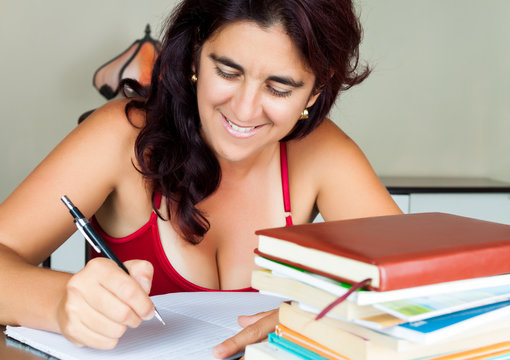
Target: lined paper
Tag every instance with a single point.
(195, 323)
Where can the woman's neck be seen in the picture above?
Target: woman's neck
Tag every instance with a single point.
(255, 164)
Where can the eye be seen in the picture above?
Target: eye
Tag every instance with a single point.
(279, 93)
(224, 74)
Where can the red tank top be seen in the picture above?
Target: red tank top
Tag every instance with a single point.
(145, 244)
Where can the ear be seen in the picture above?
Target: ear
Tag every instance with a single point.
(316, 92)
(313, 99)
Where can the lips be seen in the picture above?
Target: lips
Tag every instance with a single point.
(240, 131)
(239, 128)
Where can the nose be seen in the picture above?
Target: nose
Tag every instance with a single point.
(246, 102)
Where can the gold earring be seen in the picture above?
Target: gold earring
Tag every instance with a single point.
(304, 115)
(194, 78)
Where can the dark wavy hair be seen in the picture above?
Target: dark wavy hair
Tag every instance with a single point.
(169, 149)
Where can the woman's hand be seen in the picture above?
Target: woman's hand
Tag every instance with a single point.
(256, 327)
(102, 301)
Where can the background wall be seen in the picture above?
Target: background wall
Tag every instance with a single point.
(437, 102)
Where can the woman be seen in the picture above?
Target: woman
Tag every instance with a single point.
(178, 181)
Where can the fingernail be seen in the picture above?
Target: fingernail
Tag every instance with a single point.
(218, 351)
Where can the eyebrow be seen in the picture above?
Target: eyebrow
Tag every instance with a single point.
(226, 61)
(285, 80)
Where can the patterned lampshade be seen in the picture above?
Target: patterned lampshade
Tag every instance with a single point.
(136, 62)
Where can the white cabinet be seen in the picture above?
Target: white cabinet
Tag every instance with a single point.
(402, 201)
(473, 197)
(70, 256)
(491, 207)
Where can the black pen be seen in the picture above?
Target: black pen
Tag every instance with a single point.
(95, 240)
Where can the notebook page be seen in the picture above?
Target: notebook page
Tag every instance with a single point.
(195, 323)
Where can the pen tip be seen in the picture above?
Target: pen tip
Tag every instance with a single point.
(158, 316)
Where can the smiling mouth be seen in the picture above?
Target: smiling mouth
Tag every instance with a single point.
(239, 128)
(240, 132)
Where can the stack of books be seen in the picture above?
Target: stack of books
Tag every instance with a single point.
(438, 288)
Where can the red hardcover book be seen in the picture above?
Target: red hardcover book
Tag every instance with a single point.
(396, 251)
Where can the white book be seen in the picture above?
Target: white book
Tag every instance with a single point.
(374, 297)
(195, 323)
(288, 288)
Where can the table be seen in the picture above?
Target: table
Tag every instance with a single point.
(13, 350)
(435, 184)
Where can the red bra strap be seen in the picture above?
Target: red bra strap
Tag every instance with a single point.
(157, 199)
(285, 183)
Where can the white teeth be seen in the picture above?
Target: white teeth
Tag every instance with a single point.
(240, 129)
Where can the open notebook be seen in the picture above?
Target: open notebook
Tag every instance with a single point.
(195, 323)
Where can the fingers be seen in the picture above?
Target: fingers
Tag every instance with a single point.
(113, 293)
(83, 327)
(99, 303)
(142, 272)
(102, 301)
(257, 328)
(246, 320)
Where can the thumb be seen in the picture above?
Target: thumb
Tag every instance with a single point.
(247, 320)
(142, 271)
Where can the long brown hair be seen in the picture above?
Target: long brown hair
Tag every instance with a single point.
(170, 150)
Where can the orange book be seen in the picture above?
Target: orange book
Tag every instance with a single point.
(481, 353)
(395, 251)
(307, 343)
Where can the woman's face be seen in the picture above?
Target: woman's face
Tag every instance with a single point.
(252, 87)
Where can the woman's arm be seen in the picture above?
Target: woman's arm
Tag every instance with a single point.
(88, 166)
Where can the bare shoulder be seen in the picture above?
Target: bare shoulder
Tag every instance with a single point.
(326, 143)
(105, 139)
(328, 163)
(111, 120)
(108, 136)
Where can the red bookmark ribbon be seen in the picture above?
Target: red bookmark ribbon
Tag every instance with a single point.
(338, 301)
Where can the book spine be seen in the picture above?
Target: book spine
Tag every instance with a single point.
(436, 268)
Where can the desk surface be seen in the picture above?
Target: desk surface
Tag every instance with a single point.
(10, 350)
(424, 184)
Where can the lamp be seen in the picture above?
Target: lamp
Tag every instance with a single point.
(136, 62)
